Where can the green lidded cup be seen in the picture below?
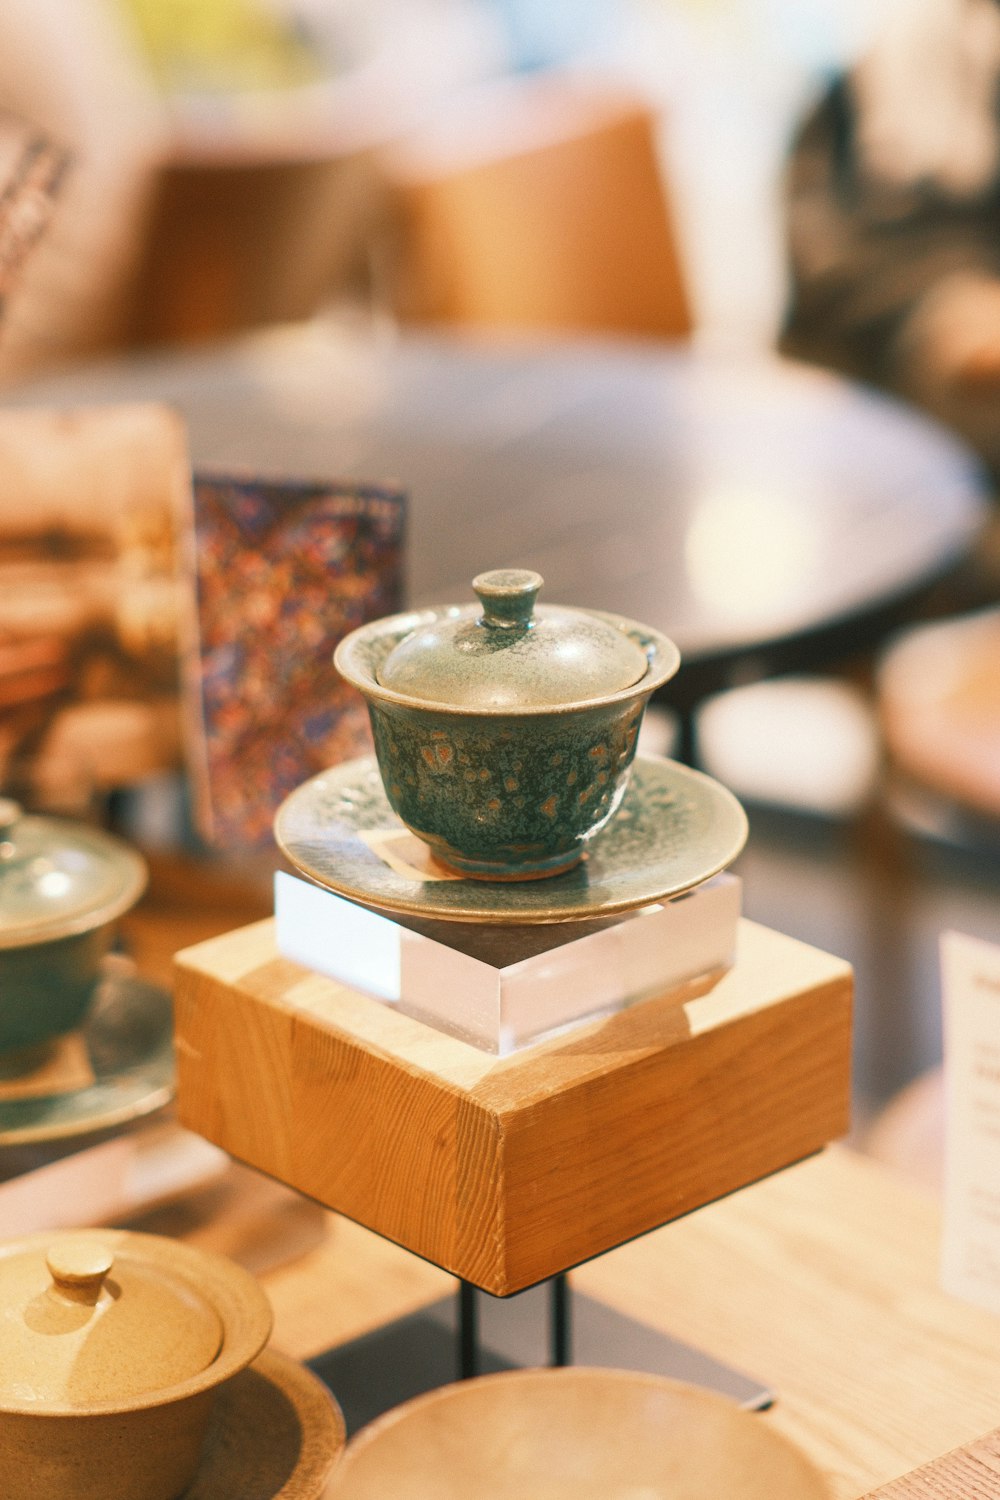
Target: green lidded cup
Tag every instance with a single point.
(62, 887)
(504, 731)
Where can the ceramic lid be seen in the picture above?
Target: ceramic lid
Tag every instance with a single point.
(511, 654)
(58, 878)
(87, 1323)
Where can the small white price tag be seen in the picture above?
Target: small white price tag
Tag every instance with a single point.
(970, 1257)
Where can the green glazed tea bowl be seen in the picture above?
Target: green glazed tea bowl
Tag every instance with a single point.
(504, 732)
(62, 887)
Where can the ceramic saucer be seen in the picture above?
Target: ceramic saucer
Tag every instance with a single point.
(675, 828)
(275, 1434)
(127, 1035)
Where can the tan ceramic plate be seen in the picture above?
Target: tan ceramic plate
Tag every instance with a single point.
(675, 828)
(573, 1434)
(276, 1433)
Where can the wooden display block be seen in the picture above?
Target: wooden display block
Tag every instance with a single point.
(508, 1170)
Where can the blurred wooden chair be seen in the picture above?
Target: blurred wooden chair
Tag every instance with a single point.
(163, 236)
(939, 705)
(938, 691)
(537, 204)
(231, 243)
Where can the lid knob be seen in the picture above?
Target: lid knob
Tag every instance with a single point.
(78, 1268)
(508, 597)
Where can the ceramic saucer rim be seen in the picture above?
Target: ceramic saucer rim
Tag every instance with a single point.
(502, 914)
(156, 1097)
(300, 1386)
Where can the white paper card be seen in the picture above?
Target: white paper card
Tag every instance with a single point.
(364, 945)
(970, 1256)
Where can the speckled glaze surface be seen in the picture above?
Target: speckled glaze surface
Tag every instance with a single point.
(511, 654)
(85, 1434)
(575, 1433)
(47, 987)
(510, 792)
(506, 797)
(676, 827)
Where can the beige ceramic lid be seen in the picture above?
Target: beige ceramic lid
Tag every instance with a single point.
(510, 654)
(86, 1324)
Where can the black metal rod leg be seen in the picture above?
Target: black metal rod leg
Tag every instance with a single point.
(561, 1321)
(468, 1331)
(687, 737)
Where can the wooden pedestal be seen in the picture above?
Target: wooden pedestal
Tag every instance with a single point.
(505, 1171)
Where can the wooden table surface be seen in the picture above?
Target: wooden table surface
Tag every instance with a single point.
(744, 506)
(821, 1282)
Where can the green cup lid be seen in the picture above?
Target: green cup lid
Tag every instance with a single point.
(59, 878)
(510, 653)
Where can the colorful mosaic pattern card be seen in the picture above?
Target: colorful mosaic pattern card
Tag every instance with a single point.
(284, 569)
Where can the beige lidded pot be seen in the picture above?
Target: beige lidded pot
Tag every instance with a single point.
(112, 1348)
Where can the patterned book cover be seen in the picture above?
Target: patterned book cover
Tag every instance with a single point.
(283, 570)
(90, 606)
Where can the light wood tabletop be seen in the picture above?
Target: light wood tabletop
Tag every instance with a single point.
(821, 1282)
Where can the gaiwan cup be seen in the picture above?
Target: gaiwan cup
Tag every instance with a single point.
(504, 732)
(62, 887)
(113, 1346)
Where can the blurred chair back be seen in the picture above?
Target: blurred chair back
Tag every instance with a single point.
(539, 205)
(231, 244)
(939, 704)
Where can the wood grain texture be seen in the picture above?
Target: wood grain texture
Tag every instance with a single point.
(821, 1281)
(650, 1140)
(506, 1171)
(970, 1473)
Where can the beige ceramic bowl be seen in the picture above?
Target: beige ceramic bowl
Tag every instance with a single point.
(572, 1434)
(112, 1348)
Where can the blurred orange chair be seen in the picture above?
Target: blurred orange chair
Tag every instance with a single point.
(538, 204)
(939, 703)
(233, 243)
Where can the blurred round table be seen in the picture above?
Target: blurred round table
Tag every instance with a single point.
(764, 514)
